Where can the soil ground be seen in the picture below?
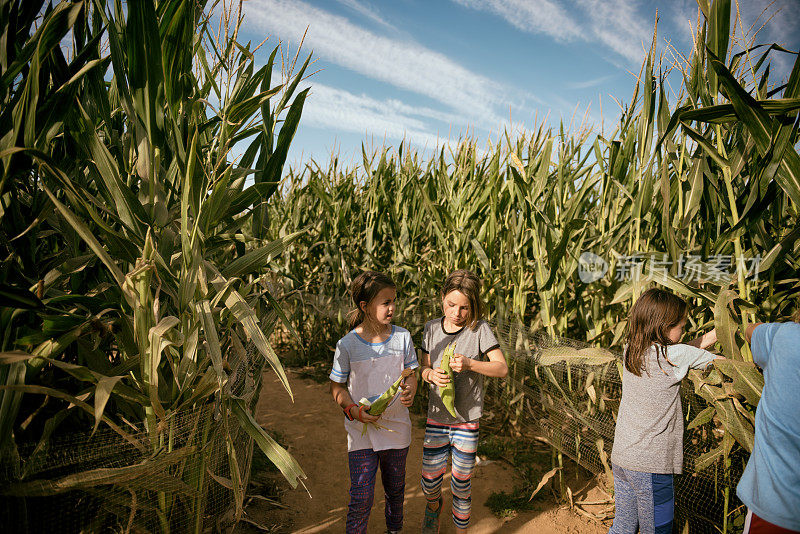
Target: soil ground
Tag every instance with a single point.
(311, 428)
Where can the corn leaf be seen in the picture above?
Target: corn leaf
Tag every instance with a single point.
(287, 465)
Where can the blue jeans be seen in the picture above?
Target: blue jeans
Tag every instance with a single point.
(643, 501)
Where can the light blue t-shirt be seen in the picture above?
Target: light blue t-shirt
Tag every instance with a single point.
(353, 348)
(369, 369)
(770, 485)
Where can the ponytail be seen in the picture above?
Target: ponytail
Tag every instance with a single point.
(364, 288)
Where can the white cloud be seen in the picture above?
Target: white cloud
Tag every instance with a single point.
(585, 84)
(333, 108)
(613, 23)
(533, 16)
(365, 10)
(403, 64)
(617, 25)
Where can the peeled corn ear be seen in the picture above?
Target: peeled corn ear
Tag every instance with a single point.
(380, 404)
(448, 393)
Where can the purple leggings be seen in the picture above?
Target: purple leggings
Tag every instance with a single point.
(363, 467)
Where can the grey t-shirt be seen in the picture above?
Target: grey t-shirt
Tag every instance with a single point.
(649, 432)
(472, 343)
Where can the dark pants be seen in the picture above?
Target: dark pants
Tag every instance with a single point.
(363, 467)
(756, 525)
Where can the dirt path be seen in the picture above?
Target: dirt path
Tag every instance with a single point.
(313, 431)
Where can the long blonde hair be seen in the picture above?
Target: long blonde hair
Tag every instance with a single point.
(650, 320)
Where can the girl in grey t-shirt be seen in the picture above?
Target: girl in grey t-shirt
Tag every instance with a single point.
(648, 438)
(455, 436)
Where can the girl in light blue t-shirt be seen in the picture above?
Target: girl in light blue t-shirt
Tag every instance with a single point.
(367, 361)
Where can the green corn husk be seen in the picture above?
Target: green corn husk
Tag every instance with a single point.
(380, 404)
(448, 392)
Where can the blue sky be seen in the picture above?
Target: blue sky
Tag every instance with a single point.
(436, 70)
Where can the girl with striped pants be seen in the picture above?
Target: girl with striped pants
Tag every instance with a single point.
(452, 429)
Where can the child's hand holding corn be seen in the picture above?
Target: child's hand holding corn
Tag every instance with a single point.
(437, 376)
(360, 413)
(459, 363)
(409, 390)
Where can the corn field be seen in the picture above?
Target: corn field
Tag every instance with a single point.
(135, 320)
(706, 185)
(153, 242)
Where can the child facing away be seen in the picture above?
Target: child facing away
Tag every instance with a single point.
(648, 438)
(367, 361)
(477, 354)
(770, 484)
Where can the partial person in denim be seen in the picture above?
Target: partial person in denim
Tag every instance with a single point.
(770, 485)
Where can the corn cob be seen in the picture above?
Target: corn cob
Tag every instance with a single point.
(381, 403)
(448, 392)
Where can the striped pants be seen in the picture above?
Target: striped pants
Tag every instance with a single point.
(363, 468)
(460, 441)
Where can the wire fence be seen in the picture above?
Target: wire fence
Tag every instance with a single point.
(569, 393)
(179, 479)
(563, 390)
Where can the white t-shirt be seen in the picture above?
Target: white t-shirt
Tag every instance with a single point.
(369, 369)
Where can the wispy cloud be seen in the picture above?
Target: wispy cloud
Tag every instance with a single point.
(615, 24)
(337, 109)
(366, 11)
(585, 84)
(533, 16)
(404, 64)
(618, 25)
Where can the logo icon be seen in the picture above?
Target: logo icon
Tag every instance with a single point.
(591, 267)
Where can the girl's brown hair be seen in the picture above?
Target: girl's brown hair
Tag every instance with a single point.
(364, 288)
(470, 285)
(651, 318)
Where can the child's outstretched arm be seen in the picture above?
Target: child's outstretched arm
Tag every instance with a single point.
(748, 334)
(345, 401)
(706, 340)
(496, 366)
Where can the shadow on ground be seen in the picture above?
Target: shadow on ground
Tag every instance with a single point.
(312, 429)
